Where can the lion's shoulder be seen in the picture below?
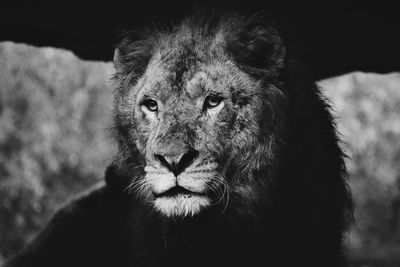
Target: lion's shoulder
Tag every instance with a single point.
(78, 230)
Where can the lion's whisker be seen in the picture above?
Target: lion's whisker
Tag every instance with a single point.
(217, 191)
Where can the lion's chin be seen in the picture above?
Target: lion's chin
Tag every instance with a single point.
(181, 205)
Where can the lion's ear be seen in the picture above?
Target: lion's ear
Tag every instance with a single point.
(116, 57)
(259, 46)
(132, 55)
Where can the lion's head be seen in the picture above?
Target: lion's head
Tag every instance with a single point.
(209, 117)
(191, 103)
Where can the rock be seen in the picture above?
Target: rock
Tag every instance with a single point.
(54, 113)
(367, 107)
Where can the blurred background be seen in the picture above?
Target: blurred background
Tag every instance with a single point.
(56, 99)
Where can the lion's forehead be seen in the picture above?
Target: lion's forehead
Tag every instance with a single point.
(165, 82)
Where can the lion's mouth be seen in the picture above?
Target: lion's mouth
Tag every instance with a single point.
(178, 191)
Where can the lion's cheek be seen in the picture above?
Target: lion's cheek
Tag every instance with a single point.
(144, 136)
(215, 136)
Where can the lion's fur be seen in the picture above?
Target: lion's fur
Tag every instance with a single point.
(289, 204)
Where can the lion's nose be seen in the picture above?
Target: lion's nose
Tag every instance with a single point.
(177, 163)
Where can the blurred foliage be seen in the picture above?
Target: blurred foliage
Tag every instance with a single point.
(54, 111)
(54, 114)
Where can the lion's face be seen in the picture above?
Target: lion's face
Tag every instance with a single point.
(197, 119)
(186, 132)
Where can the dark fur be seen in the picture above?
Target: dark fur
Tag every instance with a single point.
(300, 206)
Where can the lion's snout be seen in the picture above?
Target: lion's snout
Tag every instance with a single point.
(177, 162)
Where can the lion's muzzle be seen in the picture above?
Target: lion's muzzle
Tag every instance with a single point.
(180, 179)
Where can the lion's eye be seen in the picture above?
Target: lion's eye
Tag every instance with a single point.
(150, 105)
(212, 101)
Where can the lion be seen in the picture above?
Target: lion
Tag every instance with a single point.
(228, 155)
